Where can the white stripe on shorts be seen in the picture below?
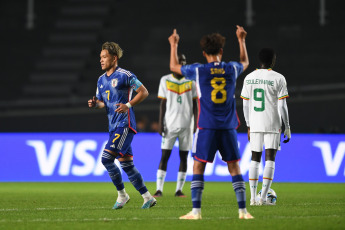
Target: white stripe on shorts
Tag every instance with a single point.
(123, 138)
(195, 140)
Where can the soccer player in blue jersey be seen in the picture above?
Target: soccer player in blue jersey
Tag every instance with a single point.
(114, 93)
(218, 120)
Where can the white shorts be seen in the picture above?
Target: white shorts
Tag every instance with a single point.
(184, 135)
(270, 140)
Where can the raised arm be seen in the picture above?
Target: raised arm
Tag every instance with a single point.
(241, 36)
(175, 67)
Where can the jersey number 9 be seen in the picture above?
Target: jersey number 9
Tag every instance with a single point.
(259, 95)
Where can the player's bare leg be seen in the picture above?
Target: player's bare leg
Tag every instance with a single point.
(239, 188)
(254, 176)
(197, 188)
(182, 173)
(161, 172)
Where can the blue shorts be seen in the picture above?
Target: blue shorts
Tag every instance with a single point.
(208, 141)
(120, 141)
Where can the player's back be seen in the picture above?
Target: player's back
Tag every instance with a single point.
(216, 83)
(263, 87)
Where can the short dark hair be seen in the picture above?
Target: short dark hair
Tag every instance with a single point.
(212, 43)
(113, 49)
(266, 56)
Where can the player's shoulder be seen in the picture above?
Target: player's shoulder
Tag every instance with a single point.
(193, 65)
(101, 77)
(165, 77)
(251, 74)
(277, 74)
(124, 72)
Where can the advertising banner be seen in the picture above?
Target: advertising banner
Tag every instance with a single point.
(76, 157)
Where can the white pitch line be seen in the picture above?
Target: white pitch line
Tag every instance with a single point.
(157, 218)
(180, 206)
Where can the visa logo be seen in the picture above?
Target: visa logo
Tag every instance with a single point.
(66, 152)
(332, 164)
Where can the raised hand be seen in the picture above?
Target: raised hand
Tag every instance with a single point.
(241, 33)
(174, 38)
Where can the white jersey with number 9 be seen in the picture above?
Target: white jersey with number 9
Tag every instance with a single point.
(263, 88)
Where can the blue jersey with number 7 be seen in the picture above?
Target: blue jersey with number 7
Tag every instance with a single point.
(216, 83)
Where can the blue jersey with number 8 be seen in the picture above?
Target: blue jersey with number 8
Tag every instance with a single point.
(216, 83)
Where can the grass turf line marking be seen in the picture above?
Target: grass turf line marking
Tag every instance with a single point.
(141, 219)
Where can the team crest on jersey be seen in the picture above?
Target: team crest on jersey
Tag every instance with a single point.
(114, 82)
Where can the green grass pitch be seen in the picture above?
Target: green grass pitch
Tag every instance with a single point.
(88, 206)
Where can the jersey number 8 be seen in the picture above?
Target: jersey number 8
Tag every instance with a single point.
(218, 88)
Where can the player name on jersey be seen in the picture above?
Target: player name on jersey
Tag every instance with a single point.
(260, 81)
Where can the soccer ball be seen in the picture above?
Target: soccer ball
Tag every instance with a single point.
(271, 196)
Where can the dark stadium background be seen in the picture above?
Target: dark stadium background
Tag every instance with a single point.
(49, 69)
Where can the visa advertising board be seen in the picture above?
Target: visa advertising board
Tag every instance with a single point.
(76, 157)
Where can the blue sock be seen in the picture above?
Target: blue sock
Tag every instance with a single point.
(240, 190)
(134, 176)
(113, 170)
(197, 187)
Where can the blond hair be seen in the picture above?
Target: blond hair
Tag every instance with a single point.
(113, 49)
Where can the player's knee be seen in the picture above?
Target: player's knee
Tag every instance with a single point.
(165, 157)
(127, 166)
(183, 156)
(256, 156)
(107, 158)
(270, 154)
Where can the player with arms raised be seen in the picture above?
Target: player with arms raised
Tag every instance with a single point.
(218, 120)
(264, 96)
(114, 93)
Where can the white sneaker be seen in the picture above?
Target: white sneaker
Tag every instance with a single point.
(150, 203)
(253, 203)
(264, 202)
(120, 202)
(246, 216)
(191, 216)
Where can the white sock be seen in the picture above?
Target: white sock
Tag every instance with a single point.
(160, 179)
(147, 196)
(196, 210)
(253, 178)
(267, 178)
(121, 195)
(244, 210)
(181, 179)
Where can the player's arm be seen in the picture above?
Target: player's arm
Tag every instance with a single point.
(246, 115)
(95, 103)
(195, 113)
(241, 36)
(162, 110)
(142, 93)
(175, 67)
(283, 109)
